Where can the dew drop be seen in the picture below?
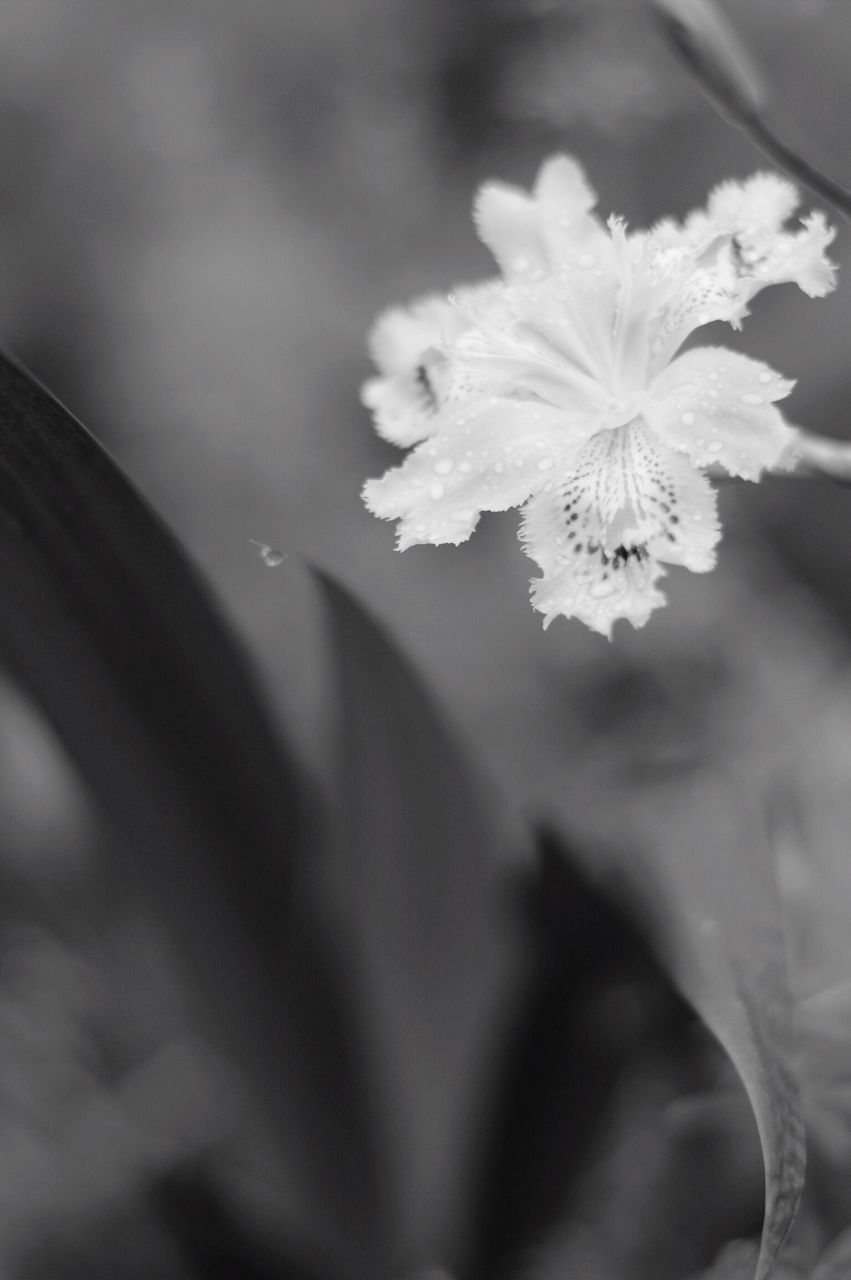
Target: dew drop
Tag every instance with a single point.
(462, 516)
(765, 376)
(687, 418)
(436, 492)
(715, 446)
(443, 467)
(465, 466)
(545, 464)
(751, 397)
(601, 589)
(270, 557)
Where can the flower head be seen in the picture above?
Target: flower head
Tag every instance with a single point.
(556, 387)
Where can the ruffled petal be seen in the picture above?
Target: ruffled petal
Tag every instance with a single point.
(712, 265)
(753, 214)
(716, 406)
(408, 346)
(627, 504)
(400, 335)
(528, 234)
(489, 457)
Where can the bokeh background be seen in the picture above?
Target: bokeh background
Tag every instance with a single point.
(204, 205)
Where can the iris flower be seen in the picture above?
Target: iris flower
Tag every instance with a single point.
(557, 386)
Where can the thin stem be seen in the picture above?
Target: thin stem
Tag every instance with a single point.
(820, 457)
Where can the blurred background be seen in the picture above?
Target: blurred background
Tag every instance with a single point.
(204, 205)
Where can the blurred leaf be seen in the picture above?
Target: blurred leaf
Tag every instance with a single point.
(695, 845)
(425, 847)
(111, 631)
(597, 999)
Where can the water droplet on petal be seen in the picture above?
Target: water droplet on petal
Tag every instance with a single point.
(443, 467)
(751, 397)
(765, 376)
(601, 589)
(687, 418)
(545, 464)
(462, 516)
(715, 446)
(436, 492)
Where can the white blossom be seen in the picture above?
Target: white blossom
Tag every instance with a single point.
(556, 387)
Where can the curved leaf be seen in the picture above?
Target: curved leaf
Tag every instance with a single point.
(106, 624)
(597, 1001)
(696, 847)
(424, 850)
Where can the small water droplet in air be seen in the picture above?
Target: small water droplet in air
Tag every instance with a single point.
(545, 464)
(270, 557)
(436, 492)
(443, 466)
(687, 418)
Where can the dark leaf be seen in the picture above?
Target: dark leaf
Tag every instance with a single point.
(425, 848)
(111, 631)
(596, 998)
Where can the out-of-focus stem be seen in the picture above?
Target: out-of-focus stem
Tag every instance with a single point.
(820, 457)
(708, 45)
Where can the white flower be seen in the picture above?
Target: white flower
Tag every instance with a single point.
(557, 387)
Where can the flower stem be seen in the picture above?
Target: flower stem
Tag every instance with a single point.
(820, 457)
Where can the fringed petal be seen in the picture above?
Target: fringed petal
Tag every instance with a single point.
(400, 335)
(507, 222)
(721, 257)
(408, 346)
(548, 232)
(627, 504)
(488, 458)
(716, 406)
